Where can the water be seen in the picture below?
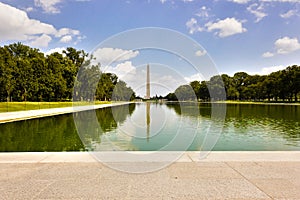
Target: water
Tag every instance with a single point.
(147, 127)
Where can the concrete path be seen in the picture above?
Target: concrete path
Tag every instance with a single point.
(222, 175)
(30, 114)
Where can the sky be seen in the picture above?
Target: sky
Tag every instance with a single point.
(254, 36)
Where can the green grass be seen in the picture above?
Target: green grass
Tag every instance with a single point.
(259, 102)
(20, 106)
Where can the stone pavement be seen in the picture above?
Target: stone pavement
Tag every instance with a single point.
(222, 175)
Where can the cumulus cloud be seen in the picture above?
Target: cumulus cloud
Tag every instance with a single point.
(284, 45)
(66, 31)
(123, 70)
(263, 71)
(194, 77)
(203, 12)
(48, 6)
(66, 39)
(267, 54)
(287, 45)
(41, 41)
(58, 50)
(289, 14)
(200, 53)
(240, 1)
(269, 70)
(226, 27)
(283, 1)
(28, 9)
(257, 10)
(16, 25)
(193, 26)
(107, 55)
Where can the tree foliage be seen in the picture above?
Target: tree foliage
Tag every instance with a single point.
(26, 74)
(283, 85)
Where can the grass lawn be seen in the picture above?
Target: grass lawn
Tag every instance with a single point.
(19, 106)
(260, 102)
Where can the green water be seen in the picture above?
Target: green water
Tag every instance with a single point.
(158, 127)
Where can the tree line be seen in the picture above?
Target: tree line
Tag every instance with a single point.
(27, 74)
(282, 85)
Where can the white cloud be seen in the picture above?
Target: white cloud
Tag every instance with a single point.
(163, 1)
(263, 71)
(49, 6)
(269, 70)
(124, 70)
(194, 77)
(58, 50)
(41, 41)
(125, 67)
(193, 26)
(287, 45)
(29, 9)
(226, 27)
(283, 1)
(66, 31)
(16, 25)
(66, 39)
(257, 10)
(200, 53)
(203, 12)
(284, 45)
(240, 1)
(267, 55)
(289, 14)
(107, 55)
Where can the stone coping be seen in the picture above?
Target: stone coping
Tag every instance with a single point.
(149, 156)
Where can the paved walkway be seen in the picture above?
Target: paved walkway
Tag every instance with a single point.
(30, 114)
(222, 175)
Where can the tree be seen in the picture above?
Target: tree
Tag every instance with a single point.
(196, 87)
(203, 91)
(7, 73)
(76, 57)
(240, 82)
(122, 93)
(216, 88)
(185, 92)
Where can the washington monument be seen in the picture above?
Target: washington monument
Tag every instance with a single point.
(148, 83)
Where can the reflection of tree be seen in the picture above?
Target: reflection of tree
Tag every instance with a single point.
(107, 119)
(277, 119)
(45, 134)
(190, 109)
(274, 120)
(59, 133)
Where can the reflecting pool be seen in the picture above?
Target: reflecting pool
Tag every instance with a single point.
(151, 126)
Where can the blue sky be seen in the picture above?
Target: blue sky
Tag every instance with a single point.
(256, 36)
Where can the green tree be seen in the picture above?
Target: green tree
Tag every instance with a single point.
(196, 87)
(185, 92)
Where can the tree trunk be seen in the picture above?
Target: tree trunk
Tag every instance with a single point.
(8, 96)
